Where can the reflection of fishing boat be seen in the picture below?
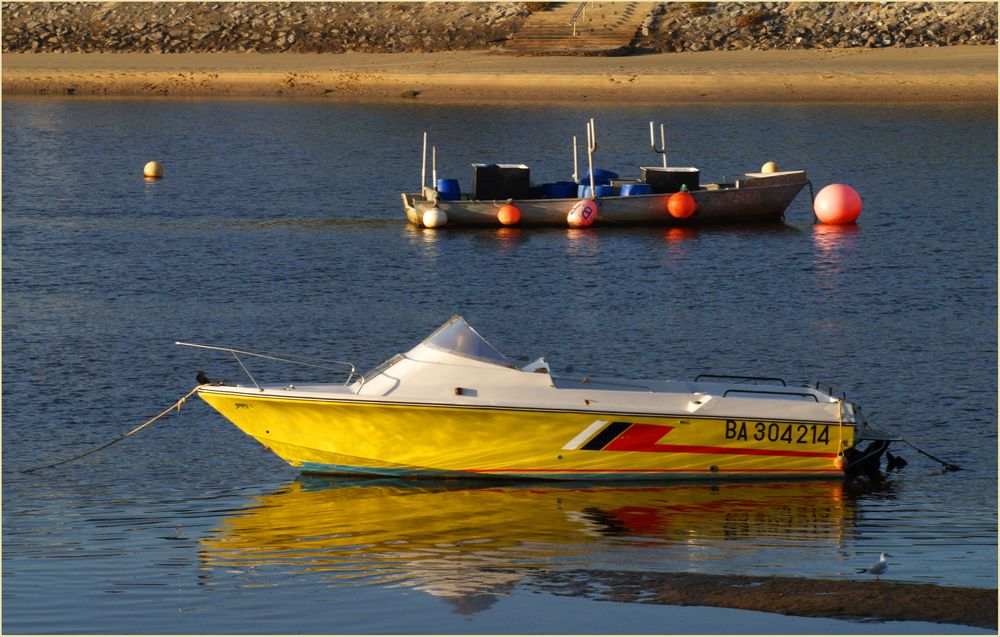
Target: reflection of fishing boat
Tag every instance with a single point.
(646, 199)
(418, 533)
(455, 406)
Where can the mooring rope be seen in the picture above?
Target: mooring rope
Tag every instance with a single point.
(176, 406)
(948, 466)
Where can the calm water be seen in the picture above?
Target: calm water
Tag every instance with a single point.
(278, 227)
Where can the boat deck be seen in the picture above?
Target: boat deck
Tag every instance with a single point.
(756, 197)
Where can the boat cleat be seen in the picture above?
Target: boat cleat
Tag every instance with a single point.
(698, 400)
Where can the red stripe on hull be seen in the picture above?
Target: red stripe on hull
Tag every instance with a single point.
(834, 470)
(645, 438)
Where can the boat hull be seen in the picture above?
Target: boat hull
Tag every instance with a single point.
(751, 200)
(407, 439)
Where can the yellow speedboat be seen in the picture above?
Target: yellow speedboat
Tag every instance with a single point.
(455, 406)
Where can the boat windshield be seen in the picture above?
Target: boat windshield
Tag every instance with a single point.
(457, 337)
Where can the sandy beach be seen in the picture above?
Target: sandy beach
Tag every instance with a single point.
(931, 74)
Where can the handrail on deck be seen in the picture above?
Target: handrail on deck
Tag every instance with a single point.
(732, 377)
(774, 393)
(281, 358)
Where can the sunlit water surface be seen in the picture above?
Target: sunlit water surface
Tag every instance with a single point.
(278, 227)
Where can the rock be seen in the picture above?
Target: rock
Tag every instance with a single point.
(391, 26)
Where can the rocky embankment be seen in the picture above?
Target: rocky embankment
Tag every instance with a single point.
(704, 26)
(265, 27)
(335, 27)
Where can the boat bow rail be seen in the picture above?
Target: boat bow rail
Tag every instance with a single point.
(342, 367)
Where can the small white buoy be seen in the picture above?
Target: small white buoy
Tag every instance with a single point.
(153, 170)
(435, 218)
(770, 167)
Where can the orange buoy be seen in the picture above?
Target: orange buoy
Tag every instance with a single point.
(839, 462)
(509, 215)
(681, 205)
(837, 204)
(582, 214)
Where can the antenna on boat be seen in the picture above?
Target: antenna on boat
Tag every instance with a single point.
(576, 170)
(663, 146)
(591, 147)
(423, 167)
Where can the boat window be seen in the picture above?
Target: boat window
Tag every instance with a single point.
(457, 337)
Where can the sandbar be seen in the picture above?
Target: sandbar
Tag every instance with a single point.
(928, 74)
(856, 599)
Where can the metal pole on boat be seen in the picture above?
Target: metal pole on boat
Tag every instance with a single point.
(423, 167)
(652, 143)
(434, 167)
(591, 147)
(663, 145)
(576, 170)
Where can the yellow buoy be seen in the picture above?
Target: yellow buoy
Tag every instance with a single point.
(770, 167)
(153, 170)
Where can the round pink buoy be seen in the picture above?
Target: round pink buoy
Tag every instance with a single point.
(582, 214)
(837, 204)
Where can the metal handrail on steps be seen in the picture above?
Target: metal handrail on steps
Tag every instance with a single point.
(576, 15)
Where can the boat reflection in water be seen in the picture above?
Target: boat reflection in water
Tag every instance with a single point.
(469, 542)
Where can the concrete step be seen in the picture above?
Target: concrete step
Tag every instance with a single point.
(601, 25)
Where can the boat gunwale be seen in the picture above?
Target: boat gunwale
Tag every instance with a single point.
(352, 399)
(414, 197)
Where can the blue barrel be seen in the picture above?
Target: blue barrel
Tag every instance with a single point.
(583, 192)
(560, 190)
(631, 190)
(448, 190)
(603, 177)
(605, 191)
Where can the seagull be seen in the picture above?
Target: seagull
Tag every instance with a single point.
(880, 567)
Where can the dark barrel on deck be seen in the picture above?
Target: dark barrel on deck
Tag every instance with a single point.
(500, 181)
(670, 179)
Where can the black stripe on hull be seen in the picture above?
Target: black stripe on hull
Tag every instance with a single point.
(607, 434)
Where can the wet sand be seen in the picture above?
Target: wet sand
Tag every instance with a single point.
(884, 600)
(946, 74)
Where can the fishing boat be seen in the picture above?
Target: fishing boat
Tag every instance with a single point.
(504, 195)
(454, 406)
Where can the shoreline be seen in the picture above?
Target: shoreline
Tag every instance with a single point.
(929, 74)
